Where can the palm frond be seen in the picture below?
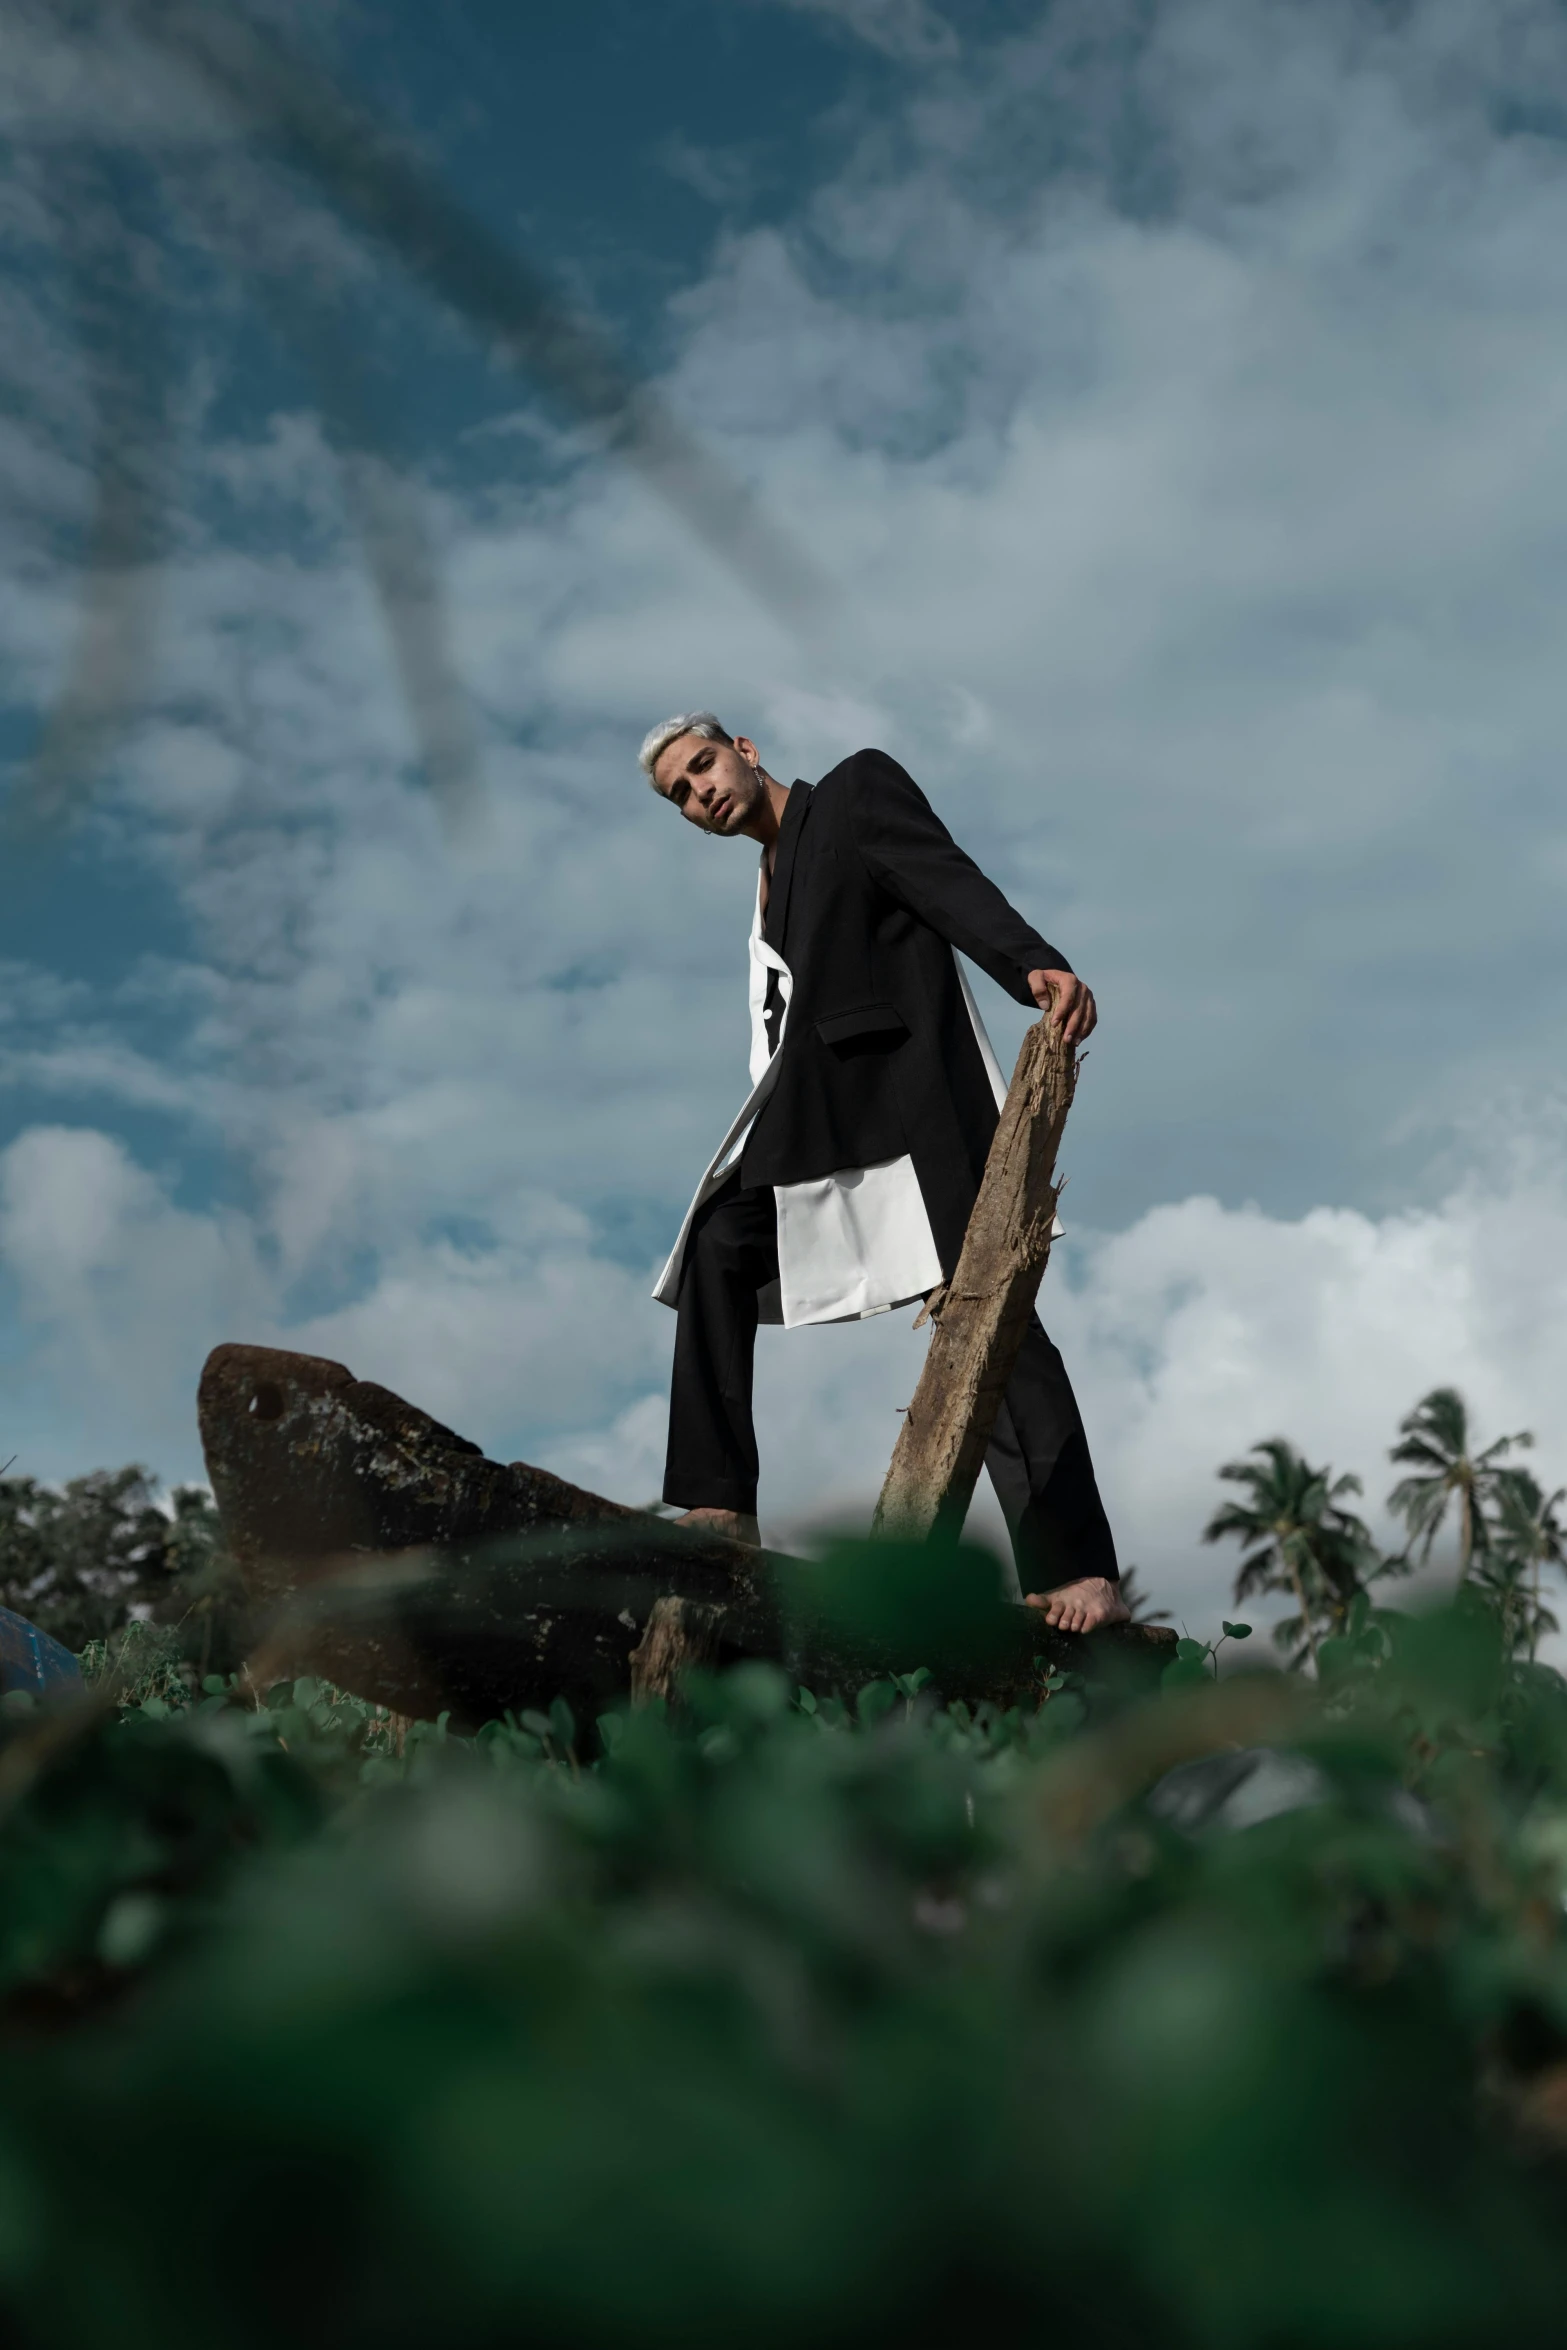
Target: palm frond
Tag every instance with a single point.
(1417, 1453)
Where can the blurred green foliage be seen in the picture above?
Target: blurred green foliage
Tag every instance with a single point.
(85, 1560)
(825, 2016)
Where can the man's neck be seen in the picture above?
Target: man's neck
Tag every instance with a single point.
(768, 820)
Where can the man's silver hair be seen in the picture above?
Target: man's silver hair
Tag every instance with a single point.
(668, 730)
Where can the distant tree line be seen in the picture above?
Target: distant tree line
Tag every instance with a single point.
(1300, 1538)
(84, 1560)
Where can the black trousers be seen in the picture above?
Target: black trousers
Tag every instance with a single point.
(1038, 1456)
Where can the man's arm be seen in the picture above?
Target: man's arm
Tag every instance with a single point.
(908, 849)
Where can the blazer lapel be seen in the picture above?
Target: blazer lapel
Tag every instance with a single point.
(795, 813)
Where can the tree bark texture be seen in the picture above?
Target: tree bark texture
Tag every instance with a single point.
(682, 1636)
(980, 1321)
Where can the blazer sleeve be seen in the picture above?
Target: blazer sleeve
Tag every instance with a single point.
(910, 852)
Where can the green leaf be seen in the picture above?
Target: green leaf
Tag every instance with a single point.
(1191, 1651)
(1235, 1631)
(130, 1930)
(1336, 1657)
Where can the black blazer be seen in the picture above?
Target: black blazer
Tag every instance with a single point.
(870, 893)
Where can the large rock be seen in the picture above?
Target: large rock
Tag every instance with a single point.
(310, 1466)
(388, 1553)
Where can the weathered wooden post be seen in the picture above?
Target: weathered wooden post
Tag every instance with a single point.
(682, 1636)
(982, 1315)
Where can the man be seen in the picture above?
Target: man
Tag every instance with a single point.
(844, 1186)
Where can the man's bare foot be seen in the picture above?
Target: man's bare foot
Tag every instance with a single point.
(734, 1525)
(1082, 1607)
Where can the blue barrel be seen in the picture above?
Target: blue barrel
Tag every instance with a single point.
(30, 1660)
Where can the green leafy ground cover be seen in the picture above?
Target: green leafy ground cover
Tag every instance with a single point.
(827, 2016)
(792, 2019)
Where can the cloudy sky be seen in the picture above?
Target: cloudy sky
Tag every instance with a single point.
(1153, 428)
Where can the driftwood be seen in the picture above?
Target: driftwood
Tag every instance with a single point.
(980, 1320)
(384, 1552)
(683, 1636)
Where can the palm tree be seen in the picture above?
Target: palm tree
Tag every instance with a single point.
(1437, 1444)
(1298, 1536)
(1139, 1602)
(1526, 1535)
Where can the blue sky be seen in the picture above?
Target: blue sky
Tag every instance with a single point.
(1167, 399)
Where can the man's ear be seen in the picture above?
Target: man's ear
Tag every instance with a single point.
(748, 750)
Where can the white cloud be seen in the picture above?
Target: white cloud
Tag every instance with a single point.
(122, 1292)
(116, 1289)
(1201, 1330)
(907, 29)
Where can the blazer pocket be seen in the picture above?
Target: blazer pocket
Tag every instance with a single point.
(882, 1022)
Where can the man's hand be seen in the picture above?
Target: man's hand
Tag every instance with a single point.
(1075, 1013)
(1082, 1607)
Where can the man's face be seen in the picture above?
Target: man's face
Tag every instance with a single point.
(717, 786)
